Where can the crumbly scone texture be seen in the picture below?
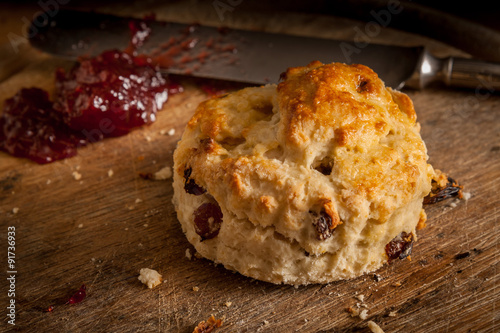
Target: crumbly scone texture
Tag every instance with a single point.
(313, 177)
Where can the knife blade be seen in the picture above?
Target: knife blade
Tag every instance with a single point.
(248, 56)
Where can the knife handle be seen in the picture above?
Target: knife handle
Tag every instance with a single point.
(455, 72)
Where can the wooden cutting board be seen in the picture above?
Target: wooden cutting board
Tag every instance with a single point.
(101, 229)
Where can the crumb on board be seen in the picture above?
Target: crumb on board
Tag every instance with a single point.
(49, 181)
(392, 314)
(15, 210)
(80, 225)
(171, 131)
(150, 277)
(466, 195)
(374, 327)
(138, 200)
(208, 326)
(354, 312)
(77, 175)
(162, 174)
(195, 288)
(361, 297)
(396, 284)
(188, 254)
(228, 304)
(110, 173)
(363, 314)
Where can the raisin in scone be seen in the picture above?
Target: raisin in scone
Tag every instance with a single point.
(317, 179)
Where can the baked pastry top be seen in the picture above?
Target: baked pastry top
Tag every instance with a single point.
(305, 182)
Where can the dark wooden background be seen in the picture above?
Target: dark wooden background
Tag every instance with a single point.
(95, 231)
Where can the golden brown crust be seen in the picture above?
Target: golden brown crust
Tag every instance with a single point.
(328, 139)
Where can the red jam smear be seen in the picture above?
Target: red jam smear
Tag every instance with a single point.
(111, 94)
(31, 128)
(78, 296)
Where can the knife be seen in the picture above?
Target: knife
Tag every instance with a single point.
(249, 56)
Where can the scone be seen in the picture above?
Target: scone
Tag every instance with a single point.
(317, 179)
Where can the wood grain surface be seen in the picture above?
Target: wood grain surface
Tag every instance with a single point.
(102, 229)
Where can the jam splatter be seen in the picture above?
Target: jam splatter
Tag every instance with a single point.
(400, 247)
(208, 220)
(110, 94)
(78, 296)
(30, 127)
(139, 31)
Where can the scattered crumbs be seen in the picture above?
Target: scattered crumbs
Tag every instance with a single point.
(266, 322)
(466, 195)
(80, 225)
(138, 200)
(228, 304)
(363, 314)
(140, 157)
(305, 320)
(354, 312)
(148, 138)
(377, 277)
(208, 326)
(77, 175)
(153, 161)
(146, 225)
(126, 229)
(48, 181)
(361, 297)
(164, 173)
(140, 245)
(110, 173)
(189, 105)
(392, 314)
(396, 284)
(195, 288)
(81, 182)
(77, 167)
(453, 204)
(130, 207)
(171, 131)
(92, 259)
(450, 264)
(15, 210)
(188, 254)
(150, 277)
(163, 131)
(374, 327)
